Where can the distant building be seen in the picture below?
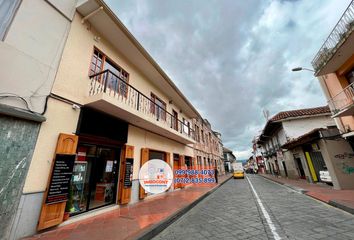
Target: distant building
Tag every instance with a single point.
(83, 107)
(229, 158)
(302, 160)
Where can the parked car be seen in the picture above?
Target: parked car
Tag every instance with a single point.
(325, 177)
(239, 174)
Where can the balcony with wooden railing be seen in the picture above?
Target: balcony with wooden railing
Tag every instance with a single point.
(108, 92)
(338, 46)
(342, 104)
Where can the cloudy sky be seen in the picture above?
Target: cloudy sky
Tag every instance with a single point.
(233, 58)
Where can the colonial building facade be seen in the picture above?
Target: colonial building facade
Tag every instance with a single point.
(32, 39)
(286, 127)
(109, 109)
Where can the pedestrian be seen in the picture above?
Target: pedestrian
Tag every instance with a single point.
(216, 174)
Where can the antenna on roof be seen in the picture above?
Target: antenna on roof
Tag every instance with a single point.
(266, 114)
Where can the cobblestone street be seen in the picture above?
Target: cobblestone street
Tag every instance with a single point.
(233, 212)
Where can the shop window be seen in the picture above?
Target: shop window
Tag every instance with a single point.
(157, 155)
(94, 180)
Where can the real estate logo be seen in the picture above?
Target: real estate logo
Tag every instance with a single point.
(155, 176)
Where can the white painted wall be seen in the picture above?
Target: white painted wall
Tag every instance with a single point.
(31, 51)
(298, 127)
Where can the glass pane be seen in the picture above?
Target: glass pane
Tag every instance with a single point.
(79, 192)
(104, 178)
(112, 67)
(156, 155)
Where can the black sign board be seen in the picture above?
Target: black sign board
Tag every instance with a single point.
(59, 183)
(128, 173)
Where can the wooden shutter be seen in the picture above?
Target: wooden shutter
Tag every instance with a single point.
(168, 158)
(144, 159)
(181, 161)
(52, 214)
(124, 192)
(182, 165)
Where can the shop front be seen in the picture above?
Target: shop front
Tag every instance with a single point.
(95, 178)
(91, 169)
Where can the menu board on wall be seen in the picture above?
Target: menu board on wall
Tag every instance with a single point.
(128, 173)
(59, 183)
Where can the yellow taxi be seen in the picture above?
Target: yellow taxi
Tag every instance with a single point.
(239, 174)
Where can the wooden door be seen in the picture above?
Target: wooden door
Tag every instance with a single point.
(124, 192)
(52, 214)
(144, 158)
(176, 167)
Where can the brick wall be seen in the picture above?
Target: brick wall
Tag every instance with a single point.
(17, 140)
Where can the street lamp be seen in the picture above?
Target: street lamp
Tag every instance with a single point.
(297, 69)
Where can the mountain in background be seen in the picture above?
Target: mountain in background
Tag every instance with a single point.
(242, 160)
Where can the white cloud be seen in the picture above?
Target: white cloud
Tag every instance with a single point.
(233, 59)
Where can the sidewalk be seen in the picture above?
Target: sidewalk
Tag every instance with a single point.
(343, 199)
(138, 220)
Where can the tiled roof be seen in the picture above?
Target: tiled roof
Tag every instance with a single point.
(225, 149)
(300, 113)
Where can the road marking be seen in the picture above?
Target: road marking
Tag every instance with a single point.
(265, 213)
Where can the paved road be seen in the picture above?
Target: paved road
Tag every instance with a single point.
(234, 212)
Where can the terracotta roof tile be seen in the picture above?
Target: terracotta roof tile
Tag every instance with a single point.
(300, 113)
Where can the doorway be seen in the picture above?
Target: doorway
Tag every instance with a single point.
(300, 168)
(318, 163)
(285, 170)
(188, 162)
(95, 177)
(176, 166)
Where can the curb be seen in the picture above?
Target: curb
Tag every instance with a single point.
(160, 226)
(332, 203)
(341, 206)
(296, 189)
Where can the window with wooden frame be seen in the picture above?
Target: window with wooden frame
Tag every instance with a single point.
(350, 76)
(158, 107)
(197, 136)
(115, 78)
(174, 121)
(185, 126)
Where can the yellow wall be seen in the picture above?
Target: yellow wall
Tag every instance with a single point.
(140, 138)
(61, 118)
(72, 80)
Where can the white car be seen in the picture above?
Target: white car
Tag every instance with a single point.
(325, 177)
